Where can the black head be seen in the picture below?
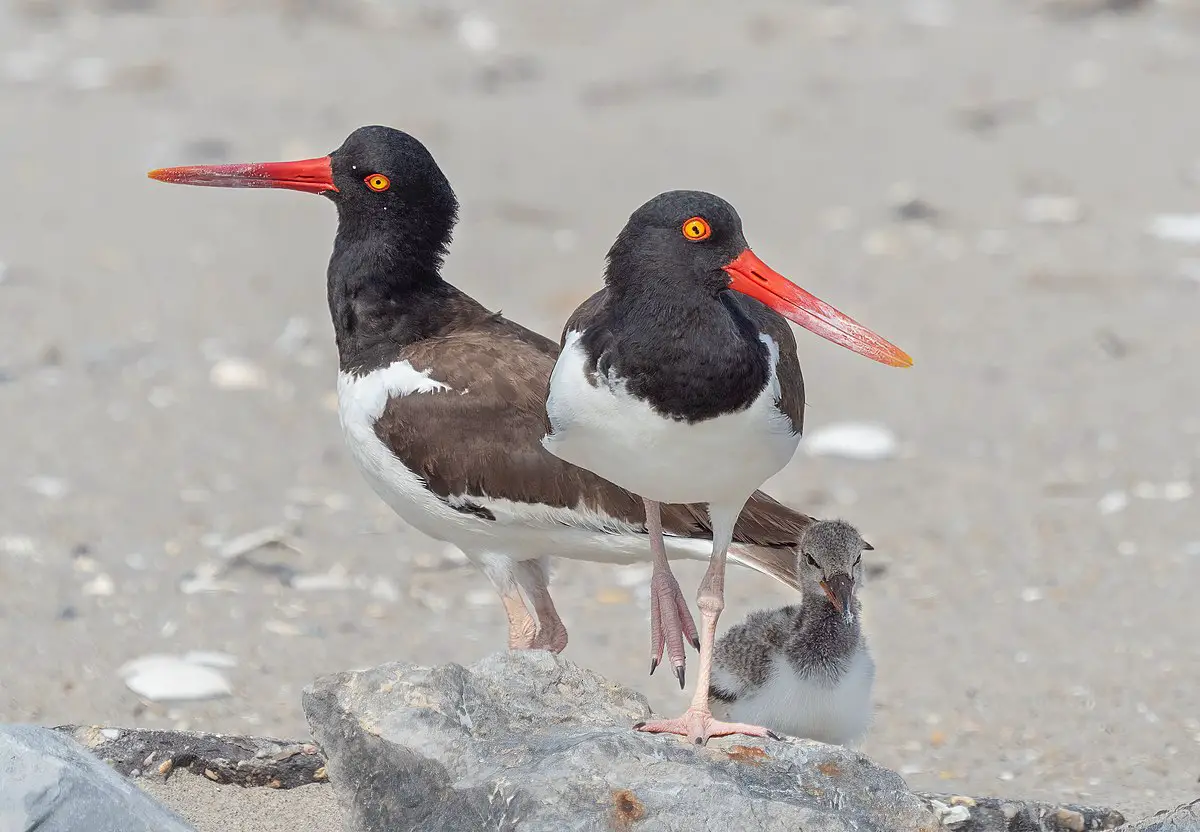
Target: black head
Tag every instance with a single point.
(385, 183)
(690, 244)
(830, 561)
(389, 185)
(680, 238)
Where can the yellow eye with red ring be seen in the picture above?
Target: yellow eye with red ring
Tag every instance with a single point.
(697, 229)
(378, 182)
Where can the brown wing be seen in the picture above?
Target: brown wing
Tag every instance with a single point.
(482, 438)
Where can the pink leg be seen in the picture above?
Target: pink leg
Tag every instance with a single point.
(697, 723)
(551, 633)
(670, 618)
(521, 627)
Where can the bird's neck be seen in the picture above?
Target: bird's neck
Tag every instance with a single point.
(823, 639)
(667, 326)
(383, 296)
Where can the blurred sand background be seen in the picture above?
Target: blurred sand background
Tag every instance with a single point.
(977, 181)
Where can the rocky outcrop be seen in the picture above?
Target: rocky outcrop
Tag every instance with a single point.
(1185, 818)
(520, 741)
(51, 784)
(530, 741)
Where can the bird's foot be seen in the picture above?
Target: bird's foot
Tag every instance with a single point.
(522, 629)
(699, 726)
(552, 638)
(670, 622)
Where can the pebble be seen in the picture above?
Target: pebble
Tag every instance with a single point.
(100, 585)
(852, 440)
(1031, 594)
(246, 543)
(336, 578)
(237, 374)
(18, 545)
(1051, 209)
(296, 335)
(166, 678)
(477, 32)
(161, 398)
(1175, 228)
(1113, 502)
(481, 598)
(385, 590)
(635, 575)
(52, 488)
(281, 628)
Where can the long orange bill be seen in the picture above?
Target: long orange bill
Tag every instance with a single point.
(314, 176)
(751, 276)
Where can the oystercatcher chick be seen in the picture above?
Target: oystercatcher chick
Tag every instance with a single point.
(679, 381)
(804, 670)
(442, 401)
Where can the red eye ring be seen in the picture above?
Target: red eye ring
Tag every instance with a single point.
(377, 182)
(697, 229)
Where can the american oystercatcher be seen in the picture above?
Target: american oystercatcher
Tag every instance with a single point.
(805, 669)
(442, 401)
(679, 381)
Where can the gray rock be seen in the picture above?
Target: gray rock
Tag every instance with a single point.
(51, 784)
(221, 758)
(1184, 818)
(530, 741)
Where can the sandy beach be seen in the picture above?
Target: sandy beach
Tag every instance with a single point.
(1008, 190)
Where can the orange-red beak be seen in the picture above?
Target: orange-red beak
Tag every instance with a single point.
(751, 276)
(314, 176)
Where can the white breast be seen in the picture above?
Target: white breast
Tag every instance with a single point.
(607, 430)
(361, 401)
(521, 530)
(800, 706)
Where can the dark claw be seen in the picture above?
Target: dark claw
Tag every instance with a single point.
(774, 736)
(695, 643)
(638, 725)
(680, 675)
(653, 666)
(699, 740)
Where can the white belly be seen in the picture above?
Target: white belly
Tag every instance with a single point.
(521, 531)
(801, 707)
(361, 401)
(608, 431)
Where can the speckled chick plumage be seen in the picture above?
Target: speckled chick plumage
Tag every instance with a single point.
(804, 669)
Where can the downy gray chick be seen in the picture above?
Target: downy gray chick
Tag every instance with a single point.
(804, 669)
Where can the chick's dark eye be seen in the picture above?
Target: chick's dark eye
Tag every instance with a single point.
(811, 560)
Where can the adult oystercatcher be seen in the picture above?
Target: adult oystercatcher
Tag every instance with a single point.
(805, 669)
(442, 402)
(679, 381)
